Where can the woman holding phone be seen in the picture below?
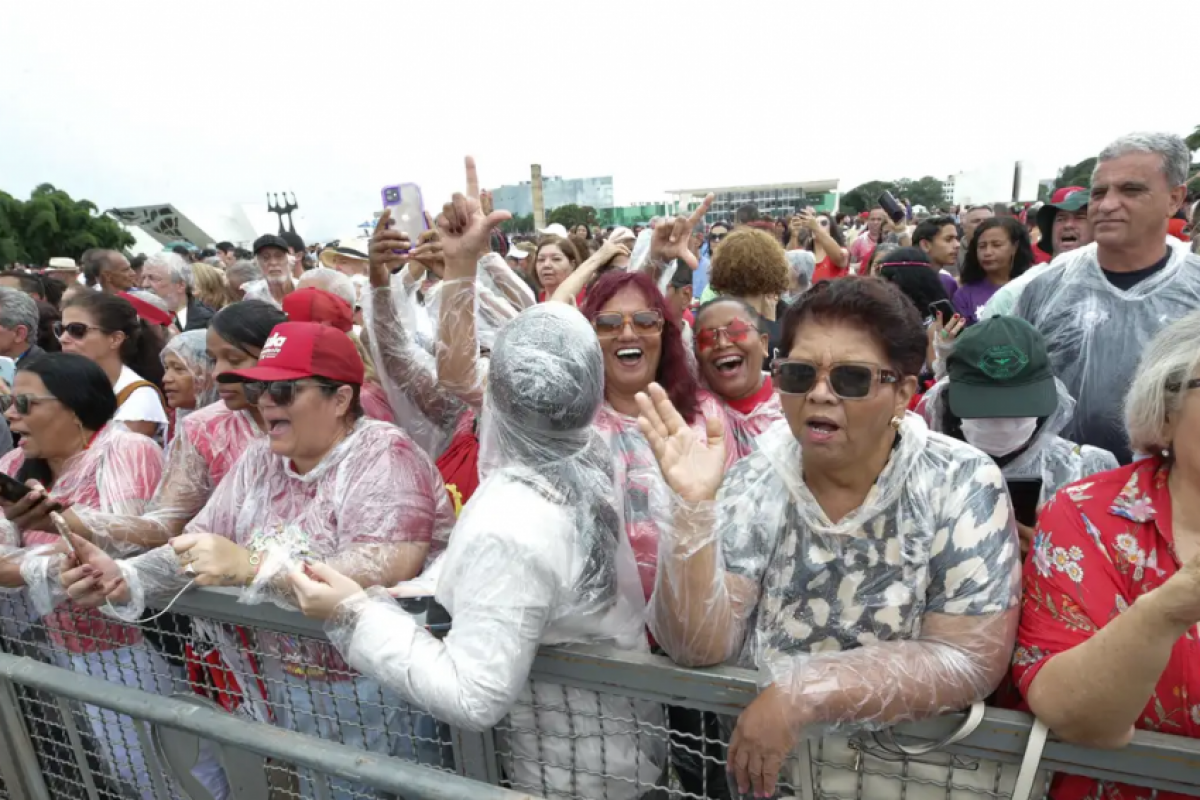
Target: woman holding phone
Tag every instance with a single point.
(72, 458)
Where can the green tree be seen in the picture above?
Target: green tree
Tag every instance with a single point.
(50, 223)
(571, 215)
(11, 250)
(1076, 174)
(1193, 140)
(866, 196)
(925, 192)
(521, 223)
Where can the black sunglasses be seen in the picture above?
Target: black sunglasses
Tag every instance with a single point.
(282, 393)
(715, 238)
(23, 402)
(76, 330)
(848, 381)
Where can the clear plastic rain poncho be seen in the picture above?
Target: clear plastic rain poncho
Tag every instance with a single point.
(191, 347)
(403, 336)
(116, 475)
(207, 444)
(905, 608)
(374, 491)
(1095, 333)
(536, 558)
(1048, 456)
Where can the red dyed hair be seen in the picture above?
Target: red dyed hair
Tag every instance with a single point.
(673, 373)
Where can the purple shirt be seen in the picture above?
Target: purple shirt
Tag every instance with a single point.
(972, 297)
(949, 284)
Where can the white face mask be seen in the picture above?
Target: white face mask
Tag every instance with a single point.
(997, 436)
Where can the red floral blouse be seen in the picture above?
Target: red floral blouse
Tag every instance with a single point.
(1100, 544)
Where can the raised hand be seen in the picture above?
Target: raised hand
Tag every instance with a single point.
(670, 240)
(692, 468)
(389, 250)
(465, 229)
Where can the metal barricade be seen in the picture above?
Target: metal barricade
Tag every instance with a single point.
(221, 700)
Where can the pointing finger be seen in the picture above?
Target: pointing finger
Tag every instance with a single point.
(698, 214)
(472, 179)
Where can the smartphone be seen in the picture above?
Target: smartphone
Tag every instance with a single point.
(891, 206)
(8, 370)
(943, 307)
(64, 530)
(12, 489)
(1025, 494)
(408, 209)
(428, 612)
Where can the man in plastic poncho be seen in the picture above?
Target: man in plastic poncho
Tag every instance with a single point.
(1107, 300)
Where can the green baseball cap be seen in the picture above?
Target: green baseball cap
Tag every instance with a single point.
(1000, 368)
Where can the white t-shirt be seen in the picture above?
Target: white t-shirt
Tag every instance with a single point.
(144, 405)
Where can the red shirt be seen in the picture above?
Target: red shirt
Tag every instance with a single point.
(1100, 544)
(544, 297)
(459, 464)
(1040, 256)
(827, 271)
(747, 404)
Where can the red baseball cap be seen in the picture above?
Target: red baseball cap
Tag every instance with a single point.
(317, 305)
(303, 350)
(147, 310)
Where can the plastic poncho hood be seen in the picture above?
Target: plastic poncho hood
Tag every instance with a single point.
(1047, 456)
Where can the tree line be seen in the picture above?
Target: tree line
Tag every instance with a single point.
(49, 224)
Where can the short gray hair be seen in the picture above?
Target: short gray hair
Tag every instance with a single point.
(1176, 158)
(177, 269)
(18, 308)
(1157, 393)
(332, 281)
(242, 272)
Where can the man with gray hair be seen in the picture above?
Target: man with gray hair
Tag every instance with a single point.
(18, 325)
(170, 277)
(1110, 298)
(240, 274)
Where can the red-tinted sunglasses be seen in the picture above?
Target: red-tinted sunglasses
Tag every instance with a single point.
(735, 332)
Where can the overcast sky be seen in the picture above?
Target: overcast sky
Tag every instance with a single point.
(213, 102)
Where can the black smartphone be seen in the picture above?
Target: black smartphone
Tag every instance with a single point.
(11, 489)
(943, 307)
(436, 618)
(1025, 494)
(891, 206)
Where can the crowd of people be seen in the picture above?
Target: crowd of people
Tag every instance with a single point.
(897, 465)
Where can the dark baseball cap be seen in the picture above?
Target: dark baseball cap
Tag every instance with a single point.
(1000, 368)
(269, 240)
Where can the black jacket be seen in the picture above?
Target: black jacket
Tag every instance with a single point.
(198, 315)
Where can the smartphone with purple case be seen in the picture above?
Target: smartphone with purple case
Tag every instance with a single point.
(408, 208)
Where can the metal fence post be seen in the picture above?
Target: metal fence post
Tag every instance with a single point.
(18, 762)
(475, 755)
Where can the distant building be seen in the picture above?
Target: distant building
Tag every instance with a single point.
(948, 190)
(772, 199)
(518, 199)
(164, 224)
(638, 214)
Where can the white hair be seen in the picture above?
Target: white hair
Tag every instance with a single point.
(178, 270)
(1176, 158)
(1158, 391)
(332, 281)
